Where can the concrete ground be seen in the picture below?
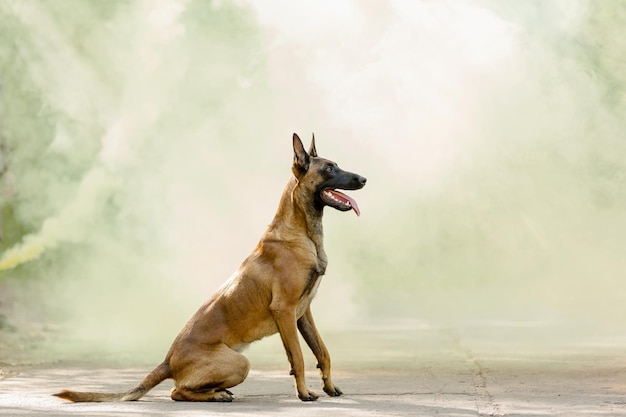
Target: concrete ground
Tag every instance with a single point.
(389, 369)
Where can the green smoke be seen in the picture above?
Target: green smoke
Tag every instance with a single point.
(154, 137)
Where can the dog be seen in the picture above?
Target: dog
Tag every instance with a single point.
(270, 293)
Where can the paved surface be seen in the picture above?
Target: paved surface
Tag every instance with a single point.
(485, 369)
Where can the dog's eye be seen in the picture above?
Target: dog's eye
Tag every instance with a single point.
(330, 169)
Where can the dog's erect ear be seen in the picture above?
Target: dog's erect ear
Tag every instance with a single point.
(300, 157)
(312, 150)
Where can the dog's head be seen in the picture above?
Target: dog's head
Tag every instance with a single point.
(321, 178)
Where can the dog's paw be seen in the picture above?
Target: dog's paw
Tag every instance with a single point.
(332, 390)
(224, 396)
(308, 396)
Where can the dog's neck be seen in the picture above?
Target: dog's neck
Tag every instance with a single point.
(297, 214)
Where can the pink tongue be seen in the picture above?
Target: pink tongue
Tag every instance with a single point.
(342, 196)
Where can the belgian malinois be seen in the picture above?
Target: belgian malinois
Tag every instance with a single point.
(270, 292)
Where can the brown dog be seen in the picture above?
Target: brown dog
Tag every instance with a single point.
(270, 292)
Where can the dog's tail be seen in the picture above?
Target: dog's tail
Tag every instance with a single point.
(158, 375)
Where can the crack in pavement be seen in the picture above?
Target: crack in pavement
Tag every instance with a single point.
(486, 405)
(485, 402)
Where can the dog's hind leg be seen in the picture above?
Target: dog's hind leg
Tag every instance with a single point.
(206, 374)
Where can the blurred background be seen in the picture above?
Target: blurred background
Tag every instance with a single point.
(144, 146)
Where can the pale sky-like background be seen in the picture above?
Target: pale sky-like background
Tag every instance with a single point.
(145, 145)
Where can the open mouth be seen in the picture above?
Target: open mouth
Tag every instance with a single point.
(339, 201)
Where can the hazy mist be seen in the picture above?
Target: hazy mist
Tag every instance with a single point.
(145, 145)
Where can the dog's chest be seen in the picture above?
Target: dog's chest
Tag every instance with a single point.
(309, 292)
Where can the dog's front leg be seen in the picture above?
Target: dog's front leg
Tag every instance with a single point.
(307, 328)
(285, 317)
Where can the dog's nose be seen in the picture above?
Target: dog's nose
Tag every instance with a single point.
(362, 180)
